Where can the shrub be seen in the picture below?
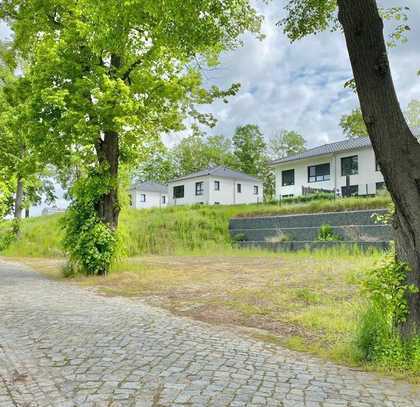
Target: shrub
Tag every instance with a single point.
(326, 234)
(90, 243)
(378, 339)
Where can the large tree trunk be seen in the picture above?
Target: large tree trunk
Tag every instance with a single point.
(108, 152)
(108, 156)
(397, 150)
(18, 198)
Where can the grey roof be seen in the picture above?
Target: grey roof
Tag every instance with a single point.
(150, 187)
(339, 146)
(326, 149)
(219, 171)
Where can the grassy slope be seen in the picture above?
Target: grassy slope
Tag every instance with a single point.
(173, 230)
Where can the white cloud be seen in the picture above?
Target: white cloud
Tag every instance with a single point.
(299, 86)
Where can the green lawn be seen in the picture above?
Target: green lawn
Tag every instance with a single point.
(183, 229)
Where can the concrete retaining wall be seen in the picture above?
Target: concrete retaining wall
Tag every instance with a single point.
(294, 232)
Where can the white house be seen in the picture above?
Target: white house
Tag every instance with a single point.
(347, 167)
(148, 195)
(213, 186)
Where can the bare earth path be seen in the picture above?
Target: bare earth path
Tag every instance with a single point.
(65, 346)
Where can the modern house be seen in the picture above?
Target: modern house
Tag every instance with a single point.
(148, 195)
(213, 186)
(346, 167)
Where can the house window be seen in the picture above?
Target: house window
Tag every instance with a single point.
(255, 189)
(288, 178)
(142, 197)
(164, 199)
(217, 203)
(179, 191)
(349, 165)
(199, 188)
(217, 185)
(351, 190)
(239, 188)
(319, 173)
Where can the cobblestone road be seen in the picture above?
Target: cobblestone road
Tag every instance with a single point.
(65, 346)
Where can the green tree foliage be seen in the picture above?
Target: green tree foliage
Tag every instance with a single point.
(412, 114)
(198, 151)
(109, 77)
(18, 155)
(287, 142)
(353, 124)
(249, 150)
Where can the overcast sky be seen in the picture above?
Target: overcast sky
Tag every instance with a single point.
(300, 86)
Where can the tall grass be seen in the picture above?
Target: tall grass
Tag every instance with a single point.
(175, 230)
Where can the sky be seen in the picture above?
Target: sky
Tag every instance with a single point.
(300, 86)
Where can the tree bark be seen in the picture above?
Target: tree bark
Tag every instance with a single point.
(396, 148)
(108, 156)
(108, 152)
(18, 198)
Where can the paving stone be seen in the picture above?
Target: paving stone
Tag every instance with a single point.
(64, 346)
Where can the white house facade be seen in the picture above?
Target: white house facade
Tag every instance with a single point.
(148, 195)
(216, 186)
(346, 167)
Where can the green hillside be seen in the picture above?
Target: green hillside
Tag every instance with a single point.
(174, 229)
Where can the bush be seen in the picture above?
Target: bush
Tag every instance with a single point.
(90, 243)
(326, 234)
(378, 339)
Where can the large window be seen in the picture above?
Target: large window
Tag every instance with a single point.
(217, 185)
(351, 190)
(199, 188)
(255, 189)
(179, 191)
(319, 173)
(142, 197)
(288, 178)
(349, 165)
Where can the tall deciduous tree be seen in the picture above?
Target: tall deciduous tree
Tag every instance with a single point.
(396, 148)
(287, 142)
(18, 156)
(108, 78)
(249, 149)
(198, 151)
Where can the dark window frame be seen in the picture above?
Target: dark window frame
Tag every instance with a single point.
(199, 188)
(256, 190)
(353, 171)
(284, 173)
(217, 185)
(181, 193)
(142, 198)
(322, 176)
(239, 188)
(163, 199)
